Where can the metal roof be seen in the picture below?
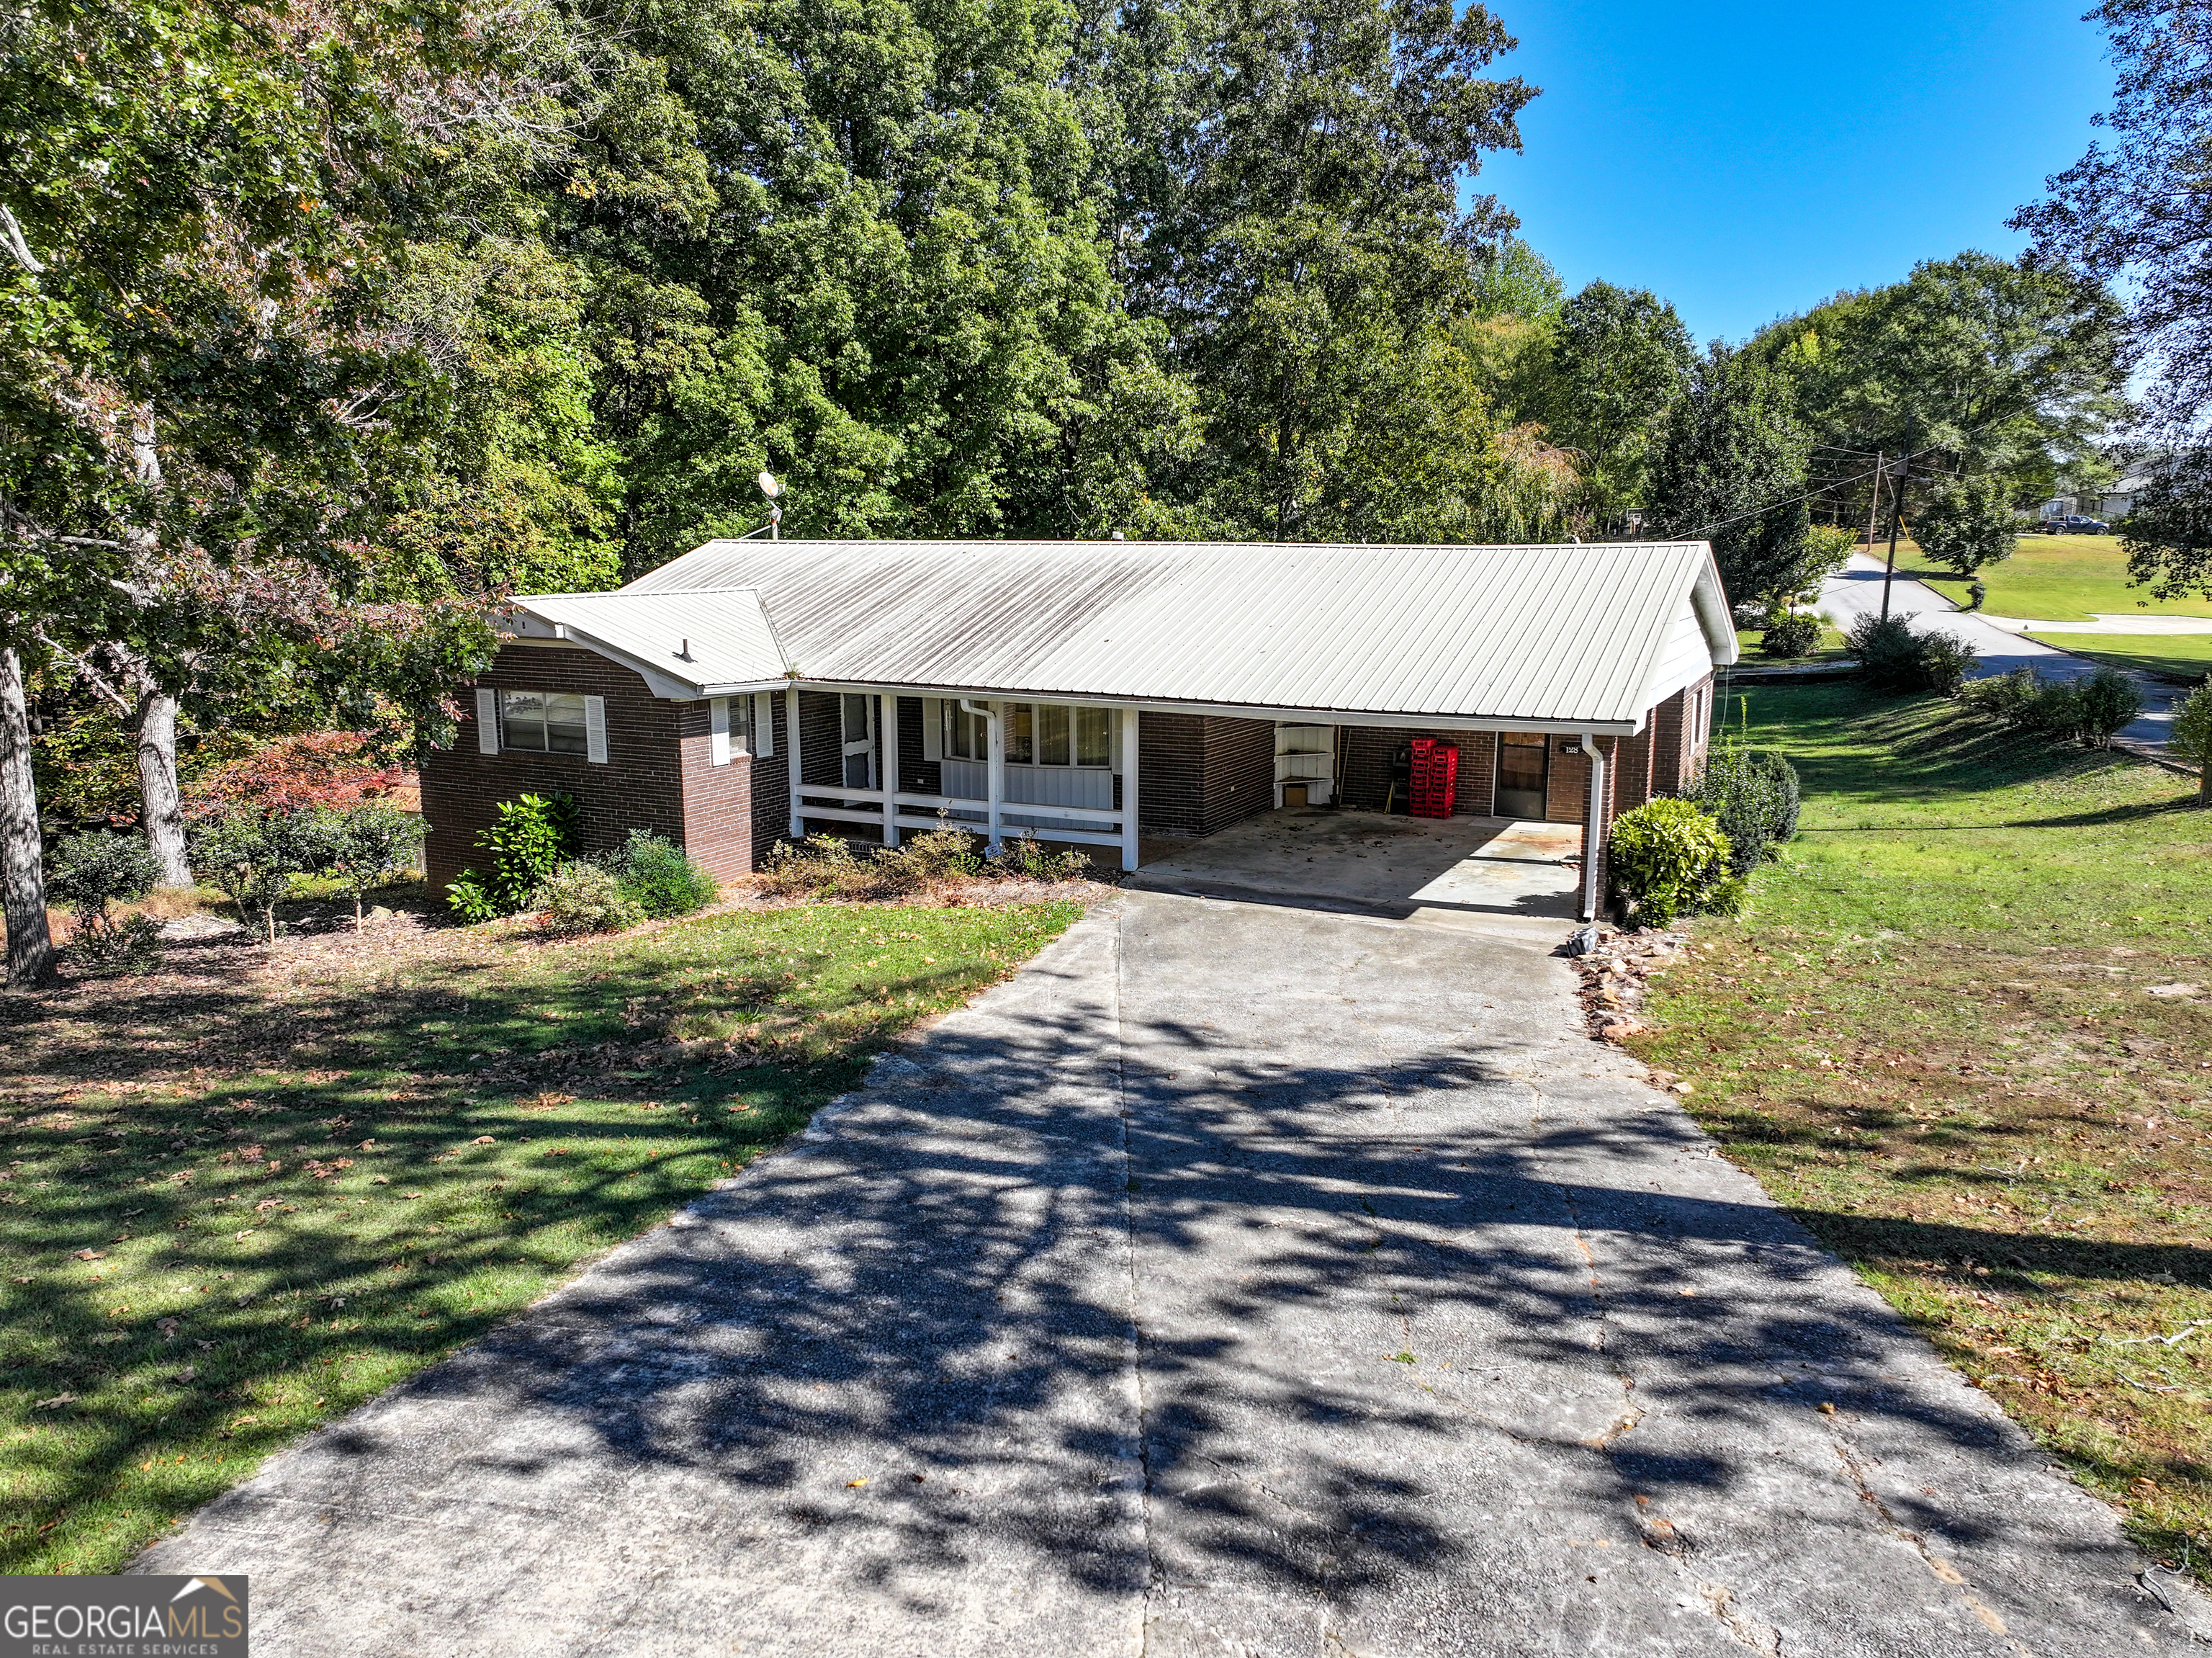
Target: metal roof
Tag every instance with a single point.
(1549, 635)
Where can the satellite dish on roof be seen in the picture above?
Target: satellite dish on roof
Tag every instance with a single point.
(769, 486)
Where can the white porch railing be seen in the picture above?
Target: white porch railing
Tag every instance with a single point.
(892, 810)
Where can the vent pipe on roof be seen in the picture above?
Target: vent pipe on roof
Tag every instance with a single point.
(683, 651)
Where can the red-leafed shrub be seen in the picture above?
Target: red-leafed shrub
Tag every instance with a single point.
(317, 768)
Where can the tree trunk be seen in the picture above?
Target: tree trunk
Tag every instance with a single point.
(22, 875)
(163, 814)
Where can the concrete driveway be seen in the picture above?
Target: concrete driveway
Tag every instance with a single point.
(1239, 1278)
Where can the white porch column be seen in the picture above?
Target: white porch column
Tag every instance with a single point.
(1129, 803)
(791, 756)
(995, 769)
(1593, 829)
(887, 771)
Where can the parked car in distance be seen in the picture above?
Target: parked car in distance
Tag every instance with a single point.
(2075, 525)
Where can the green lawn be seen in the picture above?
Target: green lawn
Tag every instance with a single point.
(2056, 578)
(1830, 649)
(2184, 657)
(240, 1203)
(1934, 1038)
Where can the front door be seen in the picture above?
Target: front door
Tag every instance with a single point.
(1523, 760)
(859, 733)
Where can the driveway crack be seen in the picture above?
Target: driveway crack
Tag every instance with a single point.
(1941, 1569)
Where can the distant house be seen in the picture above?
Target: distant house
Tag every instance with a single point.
(1087, 692)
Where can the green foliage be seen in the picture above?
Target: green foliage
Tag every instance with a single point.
(118, 947)
(89, 872)
(2091, 711)
(584, 897)
(661, 877)
(1752, 794)
(1024, 859)
(1795, 633)
(1664, 856)
(1621, 359)
(1512, 279)
(370, 845)
(1966, 523)
(2006, 371)
(2168, 536)
(2190, 737)
(251, 857)
(1891, 656)
(528, 839)
(1728, 447)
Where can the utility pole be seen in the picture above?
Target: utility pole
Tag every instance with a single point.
(1874, 501)
(1896, 518)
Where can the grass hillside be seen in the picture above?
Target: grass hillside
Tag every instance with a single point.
(1966, 1034)
(2185, 658)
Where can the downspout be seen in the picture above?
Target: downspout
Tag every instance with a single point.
(994, 771)
(1593, 831)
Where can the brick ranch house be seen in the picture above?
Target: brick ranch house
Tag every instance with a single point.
(1088, 692)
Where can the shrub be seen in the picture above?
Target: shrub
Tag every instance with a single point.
(251, 857)
(528, 839)
(1752, 794)
(1891, 654)
(942, 854)
(2105, 705)
(2092, 710)
(661, 877)
(1793, 634)
(369, 846)
(1664, 856)
(118, 946)
(89, 873)
(583, 897)
(1024, 859)
(2191, 738)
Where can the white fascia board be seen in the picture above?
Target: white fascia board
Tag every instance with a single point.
(667, 687)
(1245, 712)
(1712, 600)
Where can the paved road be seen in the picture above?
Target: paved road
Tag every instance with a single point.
(1239, 1278)
(1855, 591)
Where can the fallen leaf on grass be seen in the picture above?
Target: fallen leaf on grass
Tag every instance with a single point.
(854, 1485)
(57, 1401)
(188, 1373)
(483, 1140)
(90, 1255)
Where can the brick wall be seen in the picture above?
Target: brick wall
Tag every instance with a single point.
(1201, 772)
(656, 774)
(771, 787)
(1667, 743)
(1363, 767)
(1637, 755)
(1566, 797)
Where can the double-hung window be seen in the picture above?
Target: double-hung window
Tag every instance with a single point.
(1037, 734)
(544, 722)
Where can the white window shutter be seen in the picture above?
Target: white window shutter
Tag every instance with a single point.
(718, 728)
(932, 728)
(764, 725)
(487, 721)
(595, 730)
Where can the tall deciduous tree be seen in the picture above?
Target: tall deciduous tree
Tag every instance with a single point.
(1729, 468)
(1620, 358)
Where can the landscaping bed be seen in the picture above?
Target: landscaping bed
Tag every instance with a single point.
(1965, 1034)
(247, 1192)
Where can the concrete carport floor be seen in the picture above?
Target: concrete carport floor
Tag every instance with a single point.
(1473, 872)
(1238, 1279)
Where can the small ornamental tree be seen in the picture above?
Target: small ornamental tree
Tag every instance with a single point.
(251, 857)
(2191, 737)
(370, 846)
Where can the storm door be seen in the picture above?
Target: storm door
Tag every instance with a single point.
(1523, 757)
(859, 738)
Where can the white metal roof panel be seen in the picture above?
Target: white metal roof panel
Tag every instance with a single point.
(683, 642)
(1546, 634)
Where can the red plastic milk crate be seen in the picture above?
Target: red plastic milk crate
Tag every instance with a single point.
(1436, 777)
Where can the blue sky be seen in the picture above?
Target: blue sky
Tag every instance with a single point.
(1747, 161)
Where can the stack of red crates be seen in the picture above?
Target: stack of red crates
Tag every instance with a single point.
(1436, 777)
